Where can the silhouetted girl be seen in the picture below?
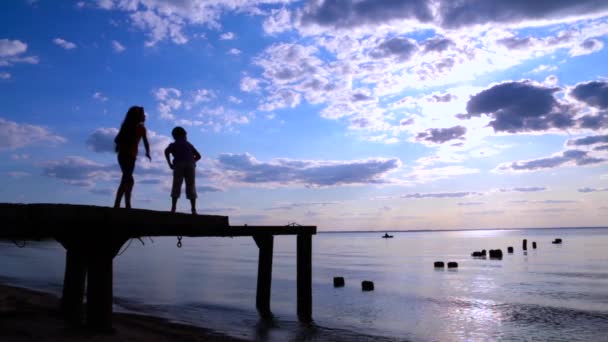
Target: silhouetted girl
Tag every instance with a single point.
(131, 132)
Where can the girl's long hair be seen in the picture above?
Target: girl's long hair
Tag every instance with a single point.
(126, 135)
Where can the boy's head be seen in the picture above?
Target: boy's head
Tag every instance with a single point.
(178, 133)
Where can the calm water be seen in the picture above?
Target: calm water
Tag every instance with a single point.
(556, 292)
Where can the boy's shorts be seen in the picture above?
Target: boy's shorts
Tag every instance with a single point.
(183, 171)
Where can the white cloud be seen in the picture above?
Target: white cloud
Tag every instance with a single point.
(14, 135)
(11, 52)
(5, 76)
(9, 48)
(587, 47)
(64, 43)
(18, 174)
(250, 84)
(100, 96)
(117, 46)
(227, 36)
(234, 52)
(168, 19)
(234, 99)
(278, 21)
(544, 68)
(169, 100)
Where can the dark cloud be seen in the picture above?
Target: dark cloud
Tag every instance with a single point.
(291, 206)
(587, 190)
(348, 13)
(457, 14)
(516, 42)
(360, 97)
(594, 121)
(519, 107)
(594, 93)
(437, 44)
(440, 195)
(208, 188)
(77, 171)
(441, 135)
(405, 122)
(102, 192)
(399, 48)
(525, 189)
(528, 107)
(246, 169)
(447, 97)
(450, 14)
(591, 44)
(591, 140)
(102, 140)
(150, 181)
(601, 148)
(485, 212)
(546, 210)
(469, 204)
(574, 157)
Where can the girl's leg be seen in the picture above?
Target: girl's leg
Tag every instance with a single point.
(193, 205)
(119, 193)
(173, 204)
(191, 187)
(127, 165)
(178, 179)
(128, 190)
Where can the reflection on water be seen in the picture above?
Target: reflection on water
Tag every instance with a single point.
(551, 293)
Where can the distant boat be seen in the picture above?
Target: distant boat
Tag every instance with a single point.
(386, 236)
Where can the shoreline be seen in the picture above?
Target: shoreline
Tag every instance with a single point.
(29, 315)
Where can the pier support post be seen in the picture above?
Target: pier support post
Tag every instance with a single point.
(73, 285)
(100, 292)
(262, 300)
(304, 277)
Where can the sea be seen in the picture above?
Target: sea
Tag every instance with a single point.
(556, 292)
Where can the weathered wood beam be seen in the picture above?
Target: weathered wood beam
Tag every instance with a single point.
(262, 299)
(304, 277)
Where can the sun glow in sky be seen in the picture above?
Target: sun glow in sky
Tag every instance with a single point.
(370, 114)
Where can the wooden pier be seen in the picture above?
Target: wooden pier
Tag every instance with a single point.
(92, 236)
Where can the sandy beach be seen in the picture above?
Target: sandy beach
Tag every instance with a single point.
(27, 315)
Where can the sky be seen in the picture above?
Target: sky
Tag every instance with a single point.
(347, 115)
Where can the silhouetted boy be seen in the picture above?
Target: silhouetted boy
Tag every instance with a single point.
(185, 157)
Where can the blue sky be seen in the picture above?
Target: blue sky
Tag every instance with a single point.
(375, 115)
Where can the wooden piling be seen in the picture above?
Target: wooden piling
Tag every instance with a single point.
(100, 292)
(73, 285)
(304, 277)
(262, 299)
(525, 245)
(534, 244)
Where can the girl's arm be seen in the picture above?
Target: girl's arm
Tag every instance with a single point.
(147, 145)
(197, 156)
(167, 153)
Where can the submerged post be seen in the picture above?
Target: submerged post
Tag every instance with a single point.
(304, 277)
(262, 299)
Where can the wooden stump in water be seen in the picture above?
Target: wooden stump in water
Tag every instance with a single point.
(367, 285)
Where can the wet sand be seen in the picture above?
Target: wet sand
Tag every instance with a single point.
(27, 315)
